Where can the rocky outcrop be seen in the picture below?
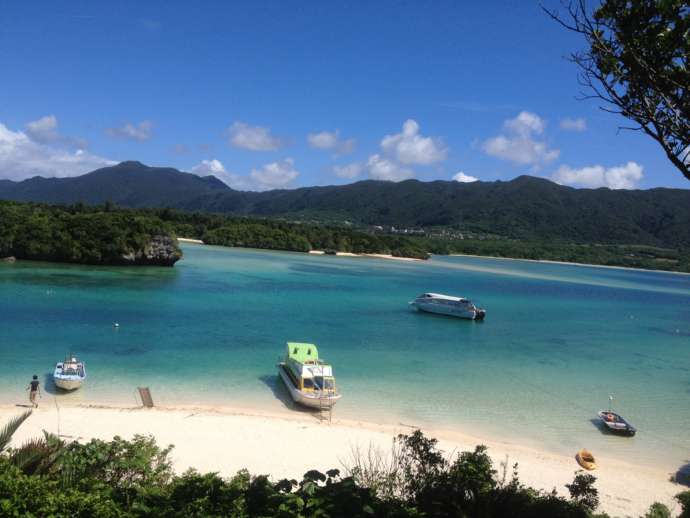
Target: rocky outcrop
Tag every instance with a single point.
(160, 251)
(9, 259)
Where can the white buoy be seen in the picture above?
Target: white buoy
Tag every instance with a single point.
(115, 324)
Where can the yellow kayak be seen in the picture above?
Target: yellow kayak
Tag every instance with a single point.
(586, 459)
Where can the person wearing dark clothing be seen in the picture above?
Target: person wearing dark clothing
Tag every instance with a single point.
(34, 389)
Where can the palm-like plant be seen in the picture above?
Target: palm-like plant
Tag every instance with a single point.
(38, 456)
(8, 430)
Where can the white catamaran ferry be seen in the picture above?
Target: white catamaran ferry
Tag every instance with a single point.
(447, 305)
(70, 374)
(309, 379)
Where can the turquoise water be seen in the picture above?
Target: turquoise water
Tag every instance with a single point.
(557, 341)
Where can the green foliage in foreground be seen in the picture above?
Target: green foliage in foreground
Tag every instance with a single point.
(79, 234)
(134, 478)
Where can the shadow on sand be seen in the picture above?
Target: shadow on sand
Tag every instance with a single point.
(281, 394)
(49, 386)
(682, 476)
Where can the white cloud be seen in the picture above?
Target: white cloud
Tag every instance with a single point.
(348, 171)
(217, 169)
(276, 175)
(209, 167)
(525, 124)
(139, 132)
(519, 143)
(578, 125)
(464, 178)
(22, 157)
(331, 141)
(409, 147)
(381, 168)
(43, 129)
(253, 138)
(620, 177)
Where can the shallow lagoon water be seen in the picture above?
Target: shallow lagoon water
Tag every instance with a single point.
(558, 339)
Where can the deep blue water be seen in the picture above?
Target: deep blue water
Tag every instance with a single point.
(558, 339)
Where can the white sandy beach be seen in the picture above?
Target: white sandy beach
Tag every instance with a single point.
(567, 263)
(375, 256)
(288, 444)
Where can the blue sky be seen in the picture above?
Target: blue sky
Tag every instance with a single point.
(286, 94)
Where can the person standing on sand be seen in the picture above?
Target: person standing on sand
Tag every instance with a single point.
(34, 389)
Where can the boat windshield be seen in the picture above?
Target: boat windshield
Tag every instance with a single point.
(322, 383)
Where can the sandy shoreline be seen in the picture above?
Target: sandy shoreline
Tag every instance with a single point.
(375, 256)
(588, 265)
(228, 439)
(543, 261)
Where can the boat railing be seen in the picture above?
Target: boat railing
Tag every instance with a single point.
(323, 394)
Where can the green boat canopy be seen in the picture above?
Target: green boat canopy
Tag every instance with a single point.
(301, 352)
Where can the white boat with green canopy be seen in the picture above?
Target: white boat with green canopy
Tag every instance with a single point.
(309, 379)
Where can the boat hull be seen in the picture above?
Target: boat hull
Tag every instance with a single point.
(69, 375)
(67, 384)
(619, 425)
(450, 311)
(310, 400)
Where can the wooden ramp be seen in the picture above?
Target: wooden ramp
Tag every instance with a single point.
(145, 395)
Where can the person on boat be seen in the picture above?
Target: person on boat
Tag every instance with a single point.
(34, 389)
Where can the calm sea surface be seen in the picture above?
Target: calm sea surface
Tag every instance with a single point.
(556, 342)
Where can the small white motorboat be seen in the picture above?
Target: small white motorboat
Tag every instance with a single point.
(447, 305)
(70, 374)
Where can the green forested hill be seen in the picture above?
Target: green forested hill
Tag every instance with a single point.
(130, 184)
(524, 208)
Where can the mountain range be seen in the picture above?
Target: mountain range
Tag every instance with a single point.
(525, 208)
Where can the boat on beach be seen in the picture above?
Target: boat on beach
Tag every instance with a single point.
(308, 378)
(440, 304)
(69, 374)
(586, 459)
(616, 423)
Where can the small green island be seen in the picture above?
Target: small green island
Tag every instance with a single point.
(85, 235)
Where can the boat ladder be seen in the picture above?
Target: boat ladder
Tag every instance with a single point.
(325, 408)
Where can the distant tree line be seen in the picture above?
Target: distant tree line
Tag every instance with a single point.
(276, 234)
(629, 256)
(107, 234)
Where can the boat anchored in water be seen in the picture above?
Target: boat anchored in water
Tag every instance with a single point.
(70, 374)
(309, 379)
(447, 305)
(616, 423)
